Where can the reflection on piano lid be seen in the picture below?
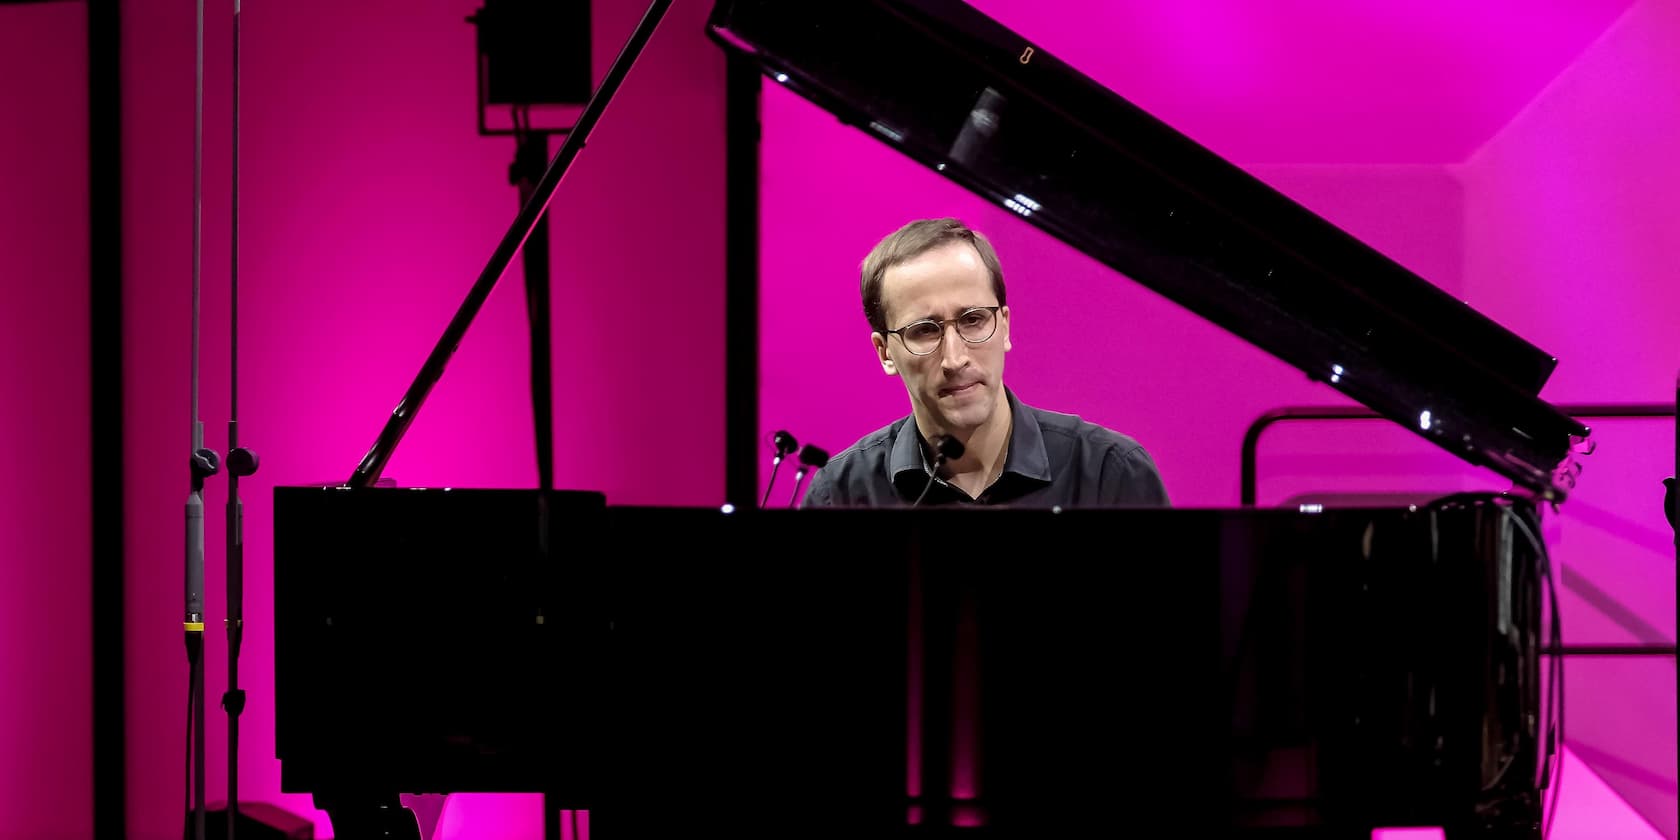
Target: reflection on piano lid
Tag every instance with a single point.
(958, 92)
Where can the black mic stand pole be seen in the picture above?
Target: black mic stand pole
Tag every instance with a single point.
(530, 159)
(810, 458)
(372, 465)
(785, 446)
(798, 479)
(240, 462)
(203, 463)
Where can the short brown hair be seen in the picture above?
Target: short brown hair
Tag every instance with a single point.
(912, 241)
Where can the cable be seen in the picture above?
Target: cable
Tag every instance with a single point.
(945, 448)
(926, 487)
(234, 699)
(186, 786)
(1554, 687)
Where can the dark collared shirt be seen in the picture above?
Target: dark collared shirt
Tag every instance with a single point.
(1054, 459)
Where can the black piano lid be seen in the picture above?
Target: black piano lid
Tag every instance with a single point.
(958, 92)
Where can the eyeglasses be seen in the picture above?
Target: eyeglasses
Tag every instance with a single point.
(974, 326)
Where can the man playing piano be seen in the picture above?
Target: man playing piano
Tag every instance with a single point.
(939, 286)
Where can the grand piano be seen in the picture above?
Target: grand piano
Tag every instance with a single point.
(1100, 672)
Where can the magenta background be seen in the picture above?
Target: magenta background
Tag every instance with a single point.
(46, 664)
(1518, 156)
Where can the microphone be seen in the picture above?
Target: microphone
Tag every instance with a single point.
(945, 448)
(948, 448)
(810, 457)
(785, 445)
(203, 463)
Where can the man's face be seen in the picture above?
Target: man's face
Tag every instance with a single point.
(959, 386)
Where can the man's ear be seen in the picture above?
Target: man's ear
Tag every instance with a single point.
(1004, 314)
(887, 365)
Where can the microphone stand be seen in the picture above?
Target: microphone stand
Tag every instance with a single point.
(798, 479)
(367, 472)
(240, 462)
(775, 467)
(785, 446)
(530, 158)
(202, 464)
(809, 457)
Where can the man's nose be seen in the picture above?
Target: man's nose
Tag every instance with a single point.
(953, 351)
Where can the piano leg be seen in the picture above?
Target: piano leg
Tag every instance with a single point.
(369, 817)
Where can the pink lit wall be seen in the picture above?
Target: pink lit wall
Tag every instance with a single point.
(46, 644)
(1319, 81)
(1571, 216)
(1571, 220)
(1087, 340)
(368, 206)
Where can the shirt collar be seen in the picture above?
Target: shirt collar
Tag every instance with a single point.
(1027, 456)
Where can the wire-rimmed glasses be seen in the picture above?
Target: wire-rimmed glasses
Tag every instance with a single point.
(975, 325)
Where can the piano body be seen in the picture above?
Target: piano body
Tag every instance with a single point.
(1240, 673)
